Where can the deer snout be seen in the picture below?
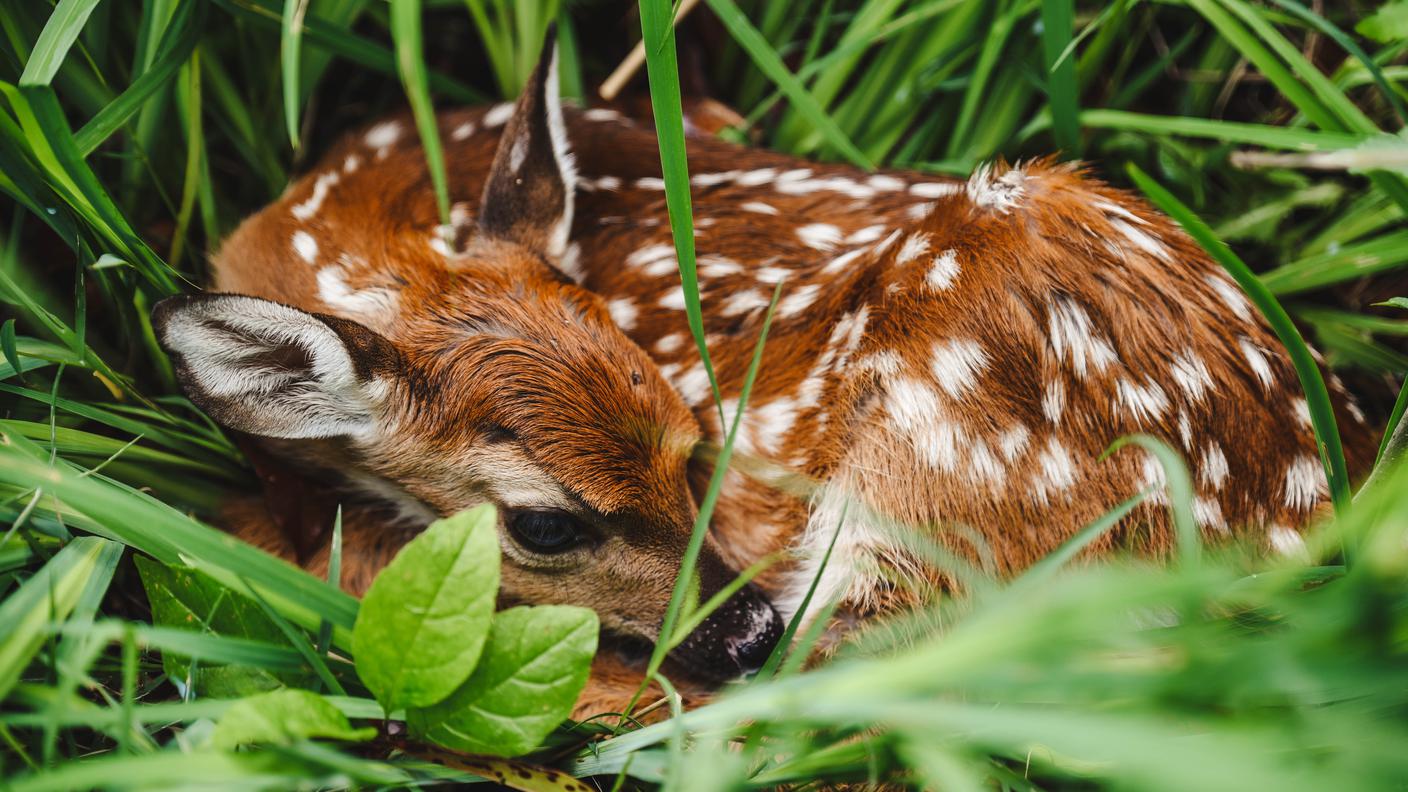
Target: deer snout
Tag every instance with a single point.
(736, 639)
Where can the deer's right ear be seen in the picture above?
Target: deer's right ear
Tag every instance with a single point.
(528, 196)
(267, 369)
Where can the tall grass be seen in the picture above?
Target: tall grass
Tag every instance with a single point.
(131, 142)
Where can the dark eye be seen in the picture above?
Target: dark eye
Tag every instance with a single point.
(547, 532)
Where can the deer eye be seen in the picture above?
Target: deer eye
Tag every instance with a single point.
(547, 532)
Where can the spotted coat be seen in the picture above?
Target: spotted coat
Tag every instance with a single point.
(950, 354)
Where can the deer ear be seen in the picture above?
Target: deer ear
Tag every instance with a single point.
(528, 197)
(267, 369)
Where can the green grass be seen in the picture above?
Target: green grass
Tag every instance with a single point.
(133, 139)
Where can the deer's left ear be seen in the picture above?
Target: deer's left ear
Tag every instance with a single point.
(528, 197)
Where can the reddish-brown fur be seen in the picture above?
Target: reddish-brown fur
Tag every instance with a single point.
(917, 379)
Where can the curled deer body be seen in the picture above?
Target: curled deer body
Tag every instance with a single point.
(944, 353)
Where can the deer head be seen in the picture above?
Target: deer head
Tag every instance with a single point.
(502, 382)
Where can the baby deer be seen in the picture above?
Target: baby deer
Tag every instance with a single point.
(945, 353)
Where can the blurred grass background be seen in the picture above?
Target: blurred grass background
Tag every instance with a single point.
(134, 136)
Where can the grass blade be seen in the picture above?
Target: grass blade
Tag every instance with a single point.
(1057, 21)
(62, 29)
(290, 50)
(410, 64)
(771, 64)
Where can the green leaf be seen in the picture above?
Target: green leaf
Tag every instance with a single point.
(283, 717)
(1395, 302)
(534, 666)
(423, 622)
(1387, 25)
(183, 598)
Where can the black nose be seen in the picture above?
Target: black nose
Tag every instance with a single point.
(735, 639)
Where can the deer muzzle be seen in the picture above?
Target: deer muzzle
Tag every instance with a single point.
(734, 640)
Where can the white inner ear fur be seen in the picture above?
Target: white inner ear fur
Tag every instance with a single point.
(562, 153)
(324, 399)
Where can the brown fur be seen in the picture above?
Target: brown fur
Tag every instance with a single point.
(1052, 268)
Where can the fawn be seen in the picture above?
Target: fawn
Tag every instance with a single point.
(944, 353)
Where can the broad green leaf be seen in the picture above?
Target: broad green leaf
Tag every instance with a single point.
(183, 598)
(1395, 302)
(47, 597)
(532, 670)
(234, 681)
(282, 717)
(423, 621)
(1387, 25)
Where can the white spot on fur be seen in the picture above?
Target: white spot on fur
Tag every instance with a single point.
(498, 115)
(759, 207)
(650, 183)
(956, 365)
(1142, 240)
(373, 305)
(866, 235)
(1073, 337)
(933, 189)
(623, 313)
(601, 114)
(321, 187)
(674, 299)
(754, 178)
(653, 254)
(1145, 402)
(1185, 429)
(1305, 482)
(919, 211)
(771, 275)
(1208, 513)
(1191, 374)
(305, 245)
(382, 135)
(1056, 471)
(670, 344)
(1232, 296)
(885, 363)
(1256, 358)
(717, 267)
(799, 300)
(885, 183)
(915, 245)
(983, 466)
(1053, 400)
(820, 236)
(1013, 442)
(1214, 472)
(1287, 542)
(463, 131)
(743, 302)
(693, 384)
(843, 261)
(351, 164)
(943, 271)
